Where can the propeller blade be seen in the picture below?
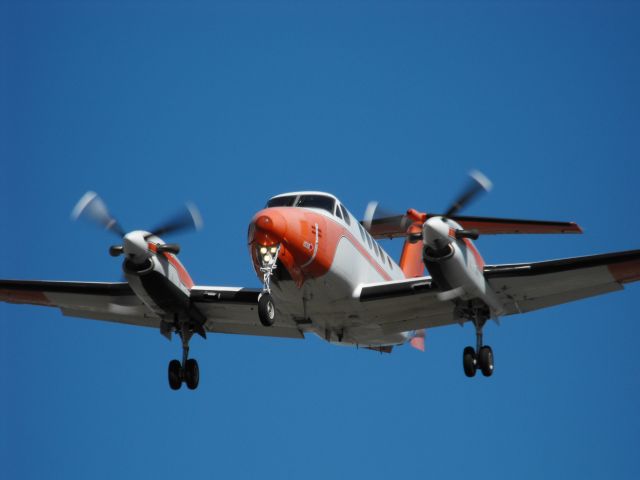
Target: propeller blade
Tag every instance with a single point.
(378, 221)
(479, 183)
(187, 219)
(369, 212)
(93, 208)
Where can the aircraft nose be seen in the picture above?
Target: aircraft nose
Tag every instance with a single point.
(271, 227)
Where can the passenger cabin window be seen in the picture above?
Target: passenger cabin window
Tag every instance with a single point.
(316, 201)
(369, 241)
(345, 214)
(362, 233)
(286, 201)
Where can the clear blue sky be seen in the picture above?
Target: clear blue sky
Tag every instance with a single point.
(226, 104)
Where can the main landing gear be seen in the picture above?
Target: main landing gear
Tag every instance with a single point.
(187, 371)
(481, 357)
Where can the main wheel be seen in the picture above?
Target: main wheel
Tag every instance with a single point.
(469, 361)
(175, 374)
(266, 310)
(191, 374)
(485, 360)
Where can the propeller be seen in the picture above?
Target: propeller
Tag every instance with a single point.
(188, 218)
(93, 208)
(434, 225)
(478, 183)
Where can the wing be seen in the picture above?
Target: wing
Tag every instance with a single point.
(113, 302)
(405, 305)
(413, 304)
(531, 286)
(227, 309)
(234, 310)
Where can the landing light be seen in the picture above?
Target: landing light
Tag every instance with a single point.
(267, 255)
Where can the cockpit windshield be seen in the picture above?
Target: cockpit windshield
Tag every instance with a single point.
(286, 201)
(304, 201)
(316, 201)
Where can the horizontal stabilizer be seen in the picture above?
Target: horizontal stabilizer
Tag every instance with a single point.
(396, 226)
(494, 226)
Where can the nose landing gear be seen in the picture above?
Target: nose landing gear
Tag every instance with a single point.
(266, 307)
(187, 371)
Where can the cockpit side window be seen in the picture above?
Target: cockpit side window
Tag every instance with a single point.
(338, 213)
(286, 201)
(316, 201)
(345, 214)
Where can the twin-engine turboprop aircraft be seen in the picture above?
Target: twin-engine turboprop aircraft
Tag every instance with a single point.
(323, 272)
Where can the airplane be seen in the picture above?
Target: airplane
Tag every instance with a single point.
(324, 272)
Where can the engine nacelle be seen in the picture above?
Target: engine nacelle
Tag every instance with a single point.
(438, 236)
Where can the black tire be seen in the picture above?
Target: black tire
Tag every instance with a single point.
(175, 374)
(485, 361)
(192, 374)
(469, 361)
(266, 310)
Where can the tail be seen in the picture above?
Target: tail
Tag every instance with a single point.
(417, 341)
(411, 259)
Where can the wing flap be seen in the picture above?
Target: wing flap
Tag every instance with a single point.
(402, 306)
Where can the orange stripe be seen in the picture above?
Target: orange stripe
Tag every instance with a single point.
(476, 253)
(372, 260)
(349, 236)
(182, 272)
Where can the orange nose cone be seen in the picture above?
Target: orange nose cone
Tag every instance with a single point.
(271, 227)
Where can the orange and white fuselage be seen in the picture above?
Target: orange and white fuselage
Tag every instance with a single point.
(324, 257)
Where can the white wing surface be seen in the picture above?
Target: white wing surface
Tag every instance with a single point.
(227, 310)
(525, 287)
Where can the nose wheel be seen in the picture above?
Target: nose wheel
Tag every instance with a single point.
(266, 309)
(186, 372)
(479, 358)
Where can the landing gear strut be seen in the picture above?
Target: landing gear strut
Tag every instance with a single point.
(266, 307)
(187, 371)
(480, 357)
